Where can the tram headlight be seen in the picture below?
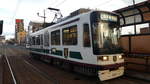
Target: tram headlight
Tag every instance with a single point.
(104, 58)
(120, 57)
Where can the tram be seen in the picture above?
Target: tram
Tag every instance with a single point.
(86, 43)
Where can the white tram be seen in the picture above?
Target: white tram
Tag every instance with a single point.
(86, 43)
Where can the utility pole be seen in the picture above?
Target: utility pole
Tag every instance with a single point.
(134, 18)
(43, 18)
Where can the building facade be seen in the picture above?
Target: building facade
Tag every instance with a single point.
(34, 26)
(20, 33)
(2, 39)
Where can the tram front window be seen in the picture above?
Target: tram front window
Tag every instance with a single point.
(105, 38)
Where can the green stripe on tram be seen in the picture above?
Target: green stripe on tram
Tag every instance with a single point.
(72, 54)
(40, 50)
(46, 51)
(76, 55)
(58, 52)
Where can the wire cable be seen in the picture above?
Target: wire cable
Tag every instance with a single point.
(106, 2)
(16, 8)
(60, 3)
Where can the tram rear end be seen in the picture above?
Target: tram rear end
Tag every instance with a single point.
(105, 40)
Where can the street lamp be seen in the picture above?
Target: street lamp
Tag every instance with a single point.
(56, 15)
(42, 17)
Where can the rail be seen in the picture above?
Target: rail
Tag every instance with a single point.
(12, 74)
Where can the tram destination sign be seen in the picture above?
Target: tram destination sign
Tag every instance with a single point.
(108, 17)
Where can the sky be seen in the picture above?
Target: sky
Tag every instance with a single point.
(28, 9)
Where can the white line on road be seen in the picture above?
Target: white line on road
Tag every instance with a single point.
(11, 70)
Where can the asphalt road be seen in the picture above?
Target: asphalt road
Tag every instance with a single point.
(30, 71)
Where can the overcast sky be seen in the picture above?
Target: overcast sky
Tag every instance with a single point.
(27, 10)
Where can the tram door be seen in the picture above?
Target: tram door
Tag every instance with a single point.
(86, 36)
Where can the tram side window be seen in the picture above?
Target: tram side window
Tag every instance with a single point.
(46, 39)
(41, 39)
(86, 35)
(29, 41)
(38, 40)
(70, 35)
(55, 37)
(33, 40)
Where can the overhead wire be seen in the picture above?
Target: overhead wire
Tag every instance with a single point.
(16, 8)
(60, 3)
(15, 11)
(104, 3)
(53, 3)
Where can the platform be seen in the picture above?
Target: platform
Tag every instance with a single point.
(138, 75)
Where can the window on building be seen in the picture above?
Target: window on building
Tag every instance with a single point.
(70, 35)
(46, 39)
(55, 37)
(86, 35)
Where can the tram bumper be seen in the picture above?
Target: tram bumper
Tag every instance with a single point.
(110, 74)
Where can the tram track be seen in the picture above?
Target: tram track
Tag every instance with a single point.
(30, 71)
(52, 74)
(12, 74)
(55, 81)
(63, 76)
(24, 73)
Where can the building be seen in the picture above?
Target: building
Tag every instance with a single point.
(20, 33)
(2, 39)
(145, 30)
(21, 37)
(34, 26)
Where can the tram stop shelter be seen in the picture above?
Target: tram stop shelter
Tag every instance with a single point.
(136, 45)
(135, 14)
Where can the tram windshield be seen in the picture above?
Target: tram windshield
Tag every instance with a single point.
(105, 37)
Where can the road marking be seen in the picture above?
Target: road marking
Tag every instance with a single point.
(11, 70)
